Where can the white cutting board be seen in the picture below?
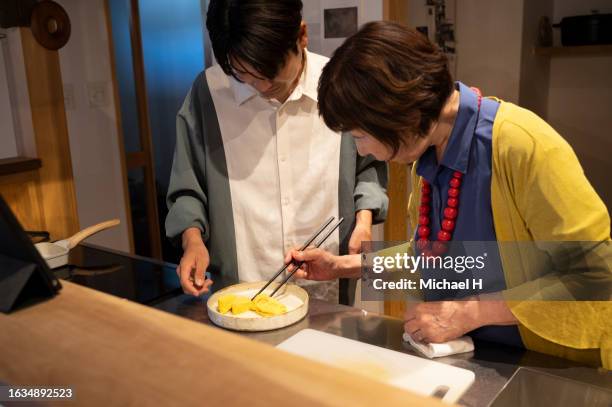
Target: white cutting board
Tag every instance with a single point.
(408, 372)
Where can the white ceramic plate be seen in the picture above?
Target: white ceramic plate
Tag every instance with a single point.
(294, 298)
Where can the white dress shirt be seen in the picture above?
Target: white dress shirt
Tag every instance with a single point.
(283, 168)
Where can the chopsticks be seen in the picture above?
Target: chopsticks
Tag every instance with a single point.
(304, 247)
(297, 266)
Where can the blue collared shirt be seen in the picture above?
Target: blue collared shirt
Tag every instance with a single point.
(469, 152)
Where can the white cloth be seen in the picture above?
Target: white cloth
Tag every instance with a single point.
(283, 168)
(437, 350)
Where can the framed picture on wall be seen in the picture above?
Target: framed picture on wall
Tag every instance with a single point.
(340, 22)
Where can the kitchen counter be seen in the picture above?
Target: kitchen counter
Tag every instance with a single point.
(113, 352)
(154, 283)
(493, 365)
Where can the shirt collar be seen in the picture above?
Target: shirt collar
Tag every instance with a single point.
(307, 85)
(242, 91)
(310, 78)
(457, 153)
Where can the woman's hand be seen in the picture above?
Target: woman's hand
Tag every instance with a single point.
(321, 265)
(441, 321)
(318, 264)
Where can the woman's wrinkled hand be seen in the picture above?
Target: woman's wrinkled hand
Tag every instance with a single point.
(318, 264)
(441, 321)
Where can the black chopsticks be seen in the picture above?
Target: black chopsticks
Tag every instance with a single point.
(304, 247)
(297, 266)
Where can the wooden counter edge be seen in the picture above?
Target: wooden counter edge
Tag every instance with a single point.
(113, 351)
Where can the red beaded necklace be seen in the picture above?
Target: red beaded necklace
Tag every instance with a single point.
(451, 211)
(448, 224)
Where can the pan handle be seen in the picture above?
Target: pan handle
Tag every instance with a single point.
(85, 233)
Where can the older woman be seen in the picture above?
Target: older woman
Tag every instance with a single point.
(483, 170)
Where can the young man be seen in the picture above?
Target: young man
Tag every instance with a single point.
(256, 170)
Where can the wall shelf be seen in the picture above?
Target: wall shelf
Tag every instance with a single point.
(586, 50)
(18, 164)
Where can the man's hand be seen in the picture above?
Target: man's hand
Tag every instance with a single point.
(194, 263)
(362, 231)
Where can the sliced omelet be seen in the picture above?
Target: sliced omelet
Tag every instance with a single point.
(263, 305)
(268, 306)
(225, 303)
(240, 305)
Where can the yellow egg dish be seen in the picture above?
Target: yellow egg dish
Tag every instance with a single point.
(263, 305)
(240, 305)
(268, 306)
(225, 303)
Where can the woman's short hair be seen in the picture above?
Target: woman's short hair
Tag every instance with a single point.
(258, 32)
(387, 80)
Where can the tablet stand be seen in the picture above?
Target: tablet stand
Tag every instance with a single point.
(20, 284)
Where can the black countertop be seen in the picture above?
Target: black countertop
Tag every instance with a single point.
(139, 279)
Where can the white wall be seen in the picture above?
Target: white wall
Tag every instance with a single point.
(488, 44)
(580, 101)
(535, 69)
(18, 93)
(8, 143)
(92, 128)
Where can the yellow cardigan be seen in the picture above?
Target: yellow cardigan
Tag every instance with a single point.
(539, 193)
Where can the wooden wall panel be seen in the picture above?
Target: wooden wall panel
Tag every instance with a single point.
(396, 226)
(21, 192)
(395, 10)
(51, 135)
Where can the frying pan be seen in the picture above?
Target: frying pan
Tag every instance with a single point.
(56, 253)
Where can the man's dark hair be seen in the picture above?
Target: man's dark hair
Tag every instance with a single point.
(258, 32)
(387, 80)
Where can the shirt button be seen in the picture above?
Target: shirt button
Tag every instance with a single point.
(282, 158)
(285, 201)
